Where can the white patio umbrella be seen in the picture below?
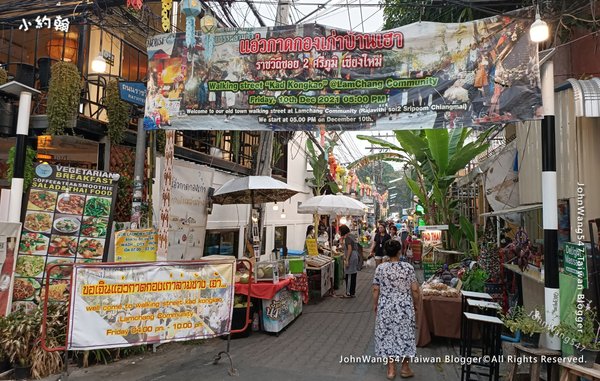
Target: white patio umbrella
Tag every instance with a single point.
(333, 205)
(253, 190)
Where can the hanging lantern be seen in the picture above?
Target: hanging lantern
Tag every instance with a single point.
(191, 9)
(208, 24)
(167, 6)
(135, 4)
(63, 47)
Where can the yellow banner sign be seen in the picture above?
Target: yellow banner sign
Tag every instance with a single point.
(120, 305)
(137, 245)
(311, 246)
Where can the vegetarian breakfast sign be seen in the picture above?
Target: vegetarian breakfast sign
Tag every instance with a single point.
(69, 211)
(120, 305)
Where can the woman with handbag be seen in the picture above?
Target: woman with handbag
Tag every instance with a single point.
(350, 260)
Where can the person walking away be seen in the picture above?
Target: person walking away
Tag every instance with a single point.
(380, 238)
(395, 296)
(350, 260)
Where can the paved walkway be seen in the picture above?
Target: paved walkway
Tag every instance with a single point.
(309, 349)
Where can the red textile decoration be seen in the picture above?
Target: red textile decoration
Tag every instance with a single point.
(300, 283)
(261, 290)
(137, 4)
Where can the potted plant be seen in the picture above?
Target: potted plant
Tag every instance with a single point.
(530, 324)
(64, 93)
(19, 336)
(117, 112)
(582, 333)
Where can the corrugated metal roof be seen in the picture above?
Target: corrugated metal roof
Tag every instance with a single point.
(587, 96)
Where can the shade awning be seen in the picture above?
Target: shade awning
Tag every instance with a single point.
(518, 209)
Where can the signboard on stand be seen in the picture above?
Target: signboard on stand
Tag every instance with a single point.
(120, 305)
(68, 219)
(311, 247)
(136, 245)
(576, 263)
(280, 311)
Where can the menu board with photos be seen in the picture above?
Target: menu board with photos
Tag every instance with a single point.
(67, 220)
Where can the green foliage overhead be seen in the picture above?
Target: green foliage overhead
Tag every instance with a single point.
(436, 156)
(3, 76)
(30, 157)
(118, 113)
(64, 92)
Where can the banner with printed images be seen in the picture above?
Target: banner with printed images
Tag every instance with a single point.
(120, 305)
(9, 239)
(67, 219)
(299, 77)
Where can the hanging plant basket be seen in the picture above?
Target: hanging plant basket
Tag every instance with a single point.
(63, 97)
(118, 113)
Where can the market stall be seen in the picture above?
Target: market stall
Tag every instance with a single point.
(441, 313)
(320, 270)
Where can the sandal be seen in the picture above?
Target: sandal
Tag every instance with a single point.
(406, 374)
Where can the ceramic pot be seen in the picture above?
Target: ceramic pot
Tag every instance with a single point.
(532, 340)
(589, 356)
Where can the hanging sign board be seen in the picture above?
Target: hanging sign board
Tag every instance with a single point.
(120, 305)
(423, 75)
(575, 263)
(133, 92)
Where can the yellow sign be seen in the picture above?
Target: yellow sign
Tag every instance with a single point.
(145, 303)
(136, 245)
(311, 246)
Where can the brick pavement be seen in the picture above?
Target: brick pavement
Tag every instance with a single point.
(309, 349)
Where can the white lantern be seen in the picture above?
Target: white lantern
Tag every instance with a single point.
(208, 24)
(99, 64)
(539, 31)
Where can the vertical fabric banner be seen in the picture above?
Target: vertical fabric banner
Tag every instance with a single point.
(165, 202)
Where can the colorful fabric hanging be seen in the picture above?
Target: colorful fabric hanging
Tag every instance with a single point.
(191, 9)
(136, 4)
(167, 6)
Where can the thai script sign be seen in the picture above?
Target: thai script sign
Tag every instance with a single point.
(133, 92)
(423, 75)
(119, 305)
(576, 264)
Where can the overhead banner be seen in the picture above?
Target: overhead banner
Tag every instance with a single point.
(133, 304)
(423, 75)
(68, 218)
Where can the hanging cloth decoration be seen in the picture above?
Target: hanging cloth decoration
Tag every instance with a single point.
(135, 4)
(191, 9)
(167, 6)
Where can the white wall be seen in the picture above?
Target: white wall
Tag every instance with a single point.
(236, 216)
(577, 155)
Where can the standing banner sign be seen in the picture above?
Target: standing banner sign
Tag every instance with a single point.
(136, 245)
(423, 75)
(68, 219)
(9, 236)
(114, 305)
(312, 247)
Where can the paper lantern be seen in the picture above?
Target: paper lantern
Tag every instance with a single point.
(60, 42)
(208, 24)
(191, 9)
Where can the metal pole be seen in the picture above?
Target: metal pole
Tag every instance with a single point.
(16, 185)
(550, 205)
(150, 174)
(138, 175)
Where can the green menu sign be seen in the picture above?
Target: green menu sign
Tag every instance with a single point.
(576, 263)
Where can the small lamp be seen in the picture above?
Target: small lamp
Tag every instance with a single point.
(275, 207)
(99, 64)
(539, 31)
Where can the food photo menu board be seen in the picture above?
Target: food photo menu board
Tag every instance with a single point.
(67, 220)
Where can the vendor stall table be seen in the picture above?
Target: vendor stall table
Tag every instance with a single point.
(338, 279)
(572, 371)
(281, 304)
(441, 317)
(320, 279)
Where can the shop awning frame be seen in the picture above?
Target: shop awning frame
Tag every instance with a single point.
(518, 209)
